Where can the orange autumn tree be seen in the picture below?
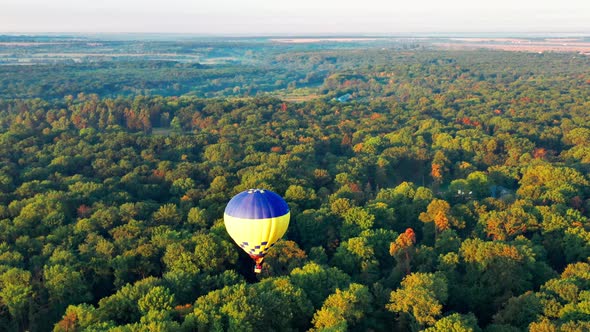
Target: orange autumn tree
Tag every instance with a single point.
(439, 167)
(438, 212)
(403, 249)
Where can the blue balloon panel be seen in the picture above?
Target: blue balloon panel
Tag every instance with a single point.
(257, 204)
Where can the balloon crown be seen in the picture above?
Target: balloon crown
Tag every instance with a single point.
(252, 191)
(257, 204)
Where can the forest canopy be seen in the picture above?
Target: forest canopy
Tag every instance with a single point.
(450, 192)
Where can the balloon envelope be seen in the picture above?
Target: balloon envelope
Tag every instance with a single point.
(256, 219)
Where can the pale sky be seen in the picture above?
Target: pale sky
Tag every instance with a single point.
(237, 17)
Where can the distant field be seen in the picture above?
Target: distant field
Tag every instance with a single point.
(110, 54)
(298, 95)
(518, 44)
(162, 131)
(318, 40)
(299, 99)
(24, 44)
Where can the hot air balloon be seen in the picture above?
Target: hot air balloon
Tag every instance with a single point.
(256, 219)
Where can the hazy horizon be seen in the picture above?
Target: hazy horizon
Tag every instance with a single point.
(304, 17)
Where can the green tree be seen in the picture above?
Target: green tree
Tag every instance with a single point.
(548, 183)
(422, 295)
(167, 214)
(198, 217)
(306, 198)
(16, 292)
(65, 285)
(273, 304)
(318, 281)
(81, 317)
(357, 257)
(213, 253)
(356, 220)
(565, 300)
(315, 228)
(157, 299)
(494, 272)
(344, 309)
(122, 307)
(455, 323)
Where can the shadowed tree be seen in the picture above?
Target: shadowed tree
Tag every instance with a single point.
(520, 311)
(282, 259)
(318, 281)
(494, 272)
(122, 307)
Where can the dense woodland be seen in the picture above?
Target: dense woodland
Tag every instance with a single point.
(452, 193)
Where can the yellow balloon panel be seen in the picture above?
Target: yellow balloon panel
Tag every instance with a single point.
(256, 236)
